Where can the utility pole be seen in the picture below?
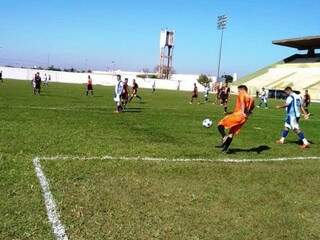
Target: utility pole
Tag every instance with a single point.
(222, 25)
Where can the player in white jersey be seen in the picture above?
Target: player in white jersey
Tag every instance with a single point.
(293, 107)
(263, 98)
(117, 92)
(206, 92)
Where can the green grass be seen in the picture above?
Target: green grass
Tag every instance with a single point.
(146, 200)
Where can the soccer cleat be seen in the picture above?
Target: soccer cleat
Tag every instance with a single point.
(224, 139)
(227, 144)
(304, 146)
(279, 142)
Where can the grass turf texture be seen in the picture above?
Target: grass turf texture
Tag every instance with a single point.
(142, 200)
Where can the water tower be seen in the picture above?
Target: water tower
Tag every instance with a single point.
(166, 52)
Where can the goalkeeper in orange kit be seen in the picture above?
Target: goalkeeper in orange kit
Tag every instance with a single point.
(234, 121)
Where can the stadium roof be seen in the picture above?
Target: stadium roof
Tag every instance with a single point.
(304, 43)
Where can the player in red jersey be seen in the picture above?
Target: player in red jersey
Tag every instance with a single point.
(134, 93)
(89, 86)
(306, 102)
(224, 98)
(195, 94)
(125, 93)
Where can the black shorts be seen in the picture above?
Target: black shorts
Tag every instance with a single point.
(89, 87)
(125, 96)
(224, 100)
(195, 95)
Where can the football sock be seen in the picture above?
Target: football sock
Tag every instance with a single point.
(302, 138)
(285, 134)
(301, 135)
(225, 109)
(227, 144)
(221, 130)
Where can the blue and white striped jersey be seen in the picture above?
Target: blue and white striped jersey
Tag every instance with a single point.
(294, 103)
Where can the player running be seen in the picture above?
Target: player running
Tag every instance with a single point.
(118, 90)
(293, 107)
(206, 92)
(263, 98)
(89, 86)
(194, 93)
(224, 98)
(36, 84)
(45, 82)
(306, 102)
(234, 122)
(125, 93)
(135, 87)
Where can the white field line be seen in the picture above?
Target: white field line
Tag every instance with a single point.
(76, 108)
(80, 108)
(53, 216)
(151, 159)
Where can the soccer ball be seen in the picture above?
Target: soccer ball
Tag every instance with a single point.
(207, 123)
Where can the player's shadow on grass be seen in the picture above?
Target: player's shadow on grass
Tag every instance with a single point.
(257, 150)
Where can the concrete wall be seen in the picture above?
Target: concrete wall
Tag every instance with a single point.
(105, 78)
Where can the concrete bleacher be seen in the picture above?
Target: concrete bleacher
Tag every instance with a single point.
(300, 71)
(300, 74)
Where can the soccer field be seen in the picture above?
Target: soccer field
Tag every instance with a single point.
(152, 172)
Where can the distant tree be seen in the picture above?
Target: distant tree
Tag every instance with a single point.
(227, 78)
(166, 70)
(204, 80)
(145, 70)
(70, 70)
(53, 68)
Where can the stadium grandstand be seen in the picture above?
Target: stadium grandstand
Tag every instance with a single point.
(299, 71)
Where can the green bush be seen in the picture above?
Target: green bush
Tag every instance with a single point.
(204, 80)
(153, 76)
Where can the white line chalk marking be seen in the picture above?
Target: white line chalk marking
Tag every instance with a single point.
(57, 227)
(151, 159)
(83, 108)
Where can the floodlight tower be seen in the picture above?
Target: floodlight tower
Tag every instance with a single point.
(166, 52)
(222, 25)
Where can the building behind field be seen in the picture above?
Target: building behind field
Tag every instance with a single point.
(299, 71)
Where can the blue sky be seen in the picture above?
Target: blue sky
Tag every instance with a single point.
(76, 33)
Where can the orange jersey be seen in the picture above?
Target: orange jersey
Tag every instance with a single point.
(245, 101)
(236, 120)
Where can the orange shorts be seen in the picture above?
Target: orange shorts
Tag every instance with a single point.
(234, 122)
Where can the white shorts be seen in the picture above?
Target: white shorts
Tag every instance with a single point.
(117, 98)
(292, 123)
(264, 99)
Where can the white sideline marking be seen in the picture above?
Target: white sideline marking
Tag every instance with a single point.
(83, 108)
(57, 227)
(150, 159)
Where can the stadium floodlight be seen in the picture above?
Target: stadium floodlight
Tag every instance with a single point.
(222, 25)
